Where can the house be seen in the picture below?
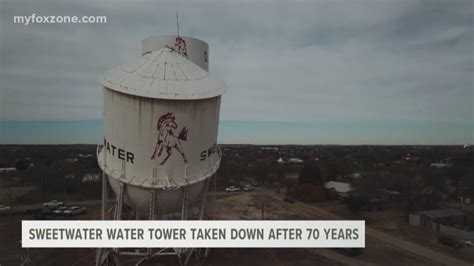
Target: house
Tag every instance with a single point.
(465, 200)
(410, 157)
(341, 188)
(356, 175)
(295, 160)
(391, 194)
(7, 170)
(441, 165)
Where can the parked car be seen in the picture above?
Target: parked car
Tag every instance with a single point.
(467, 243)
(53, 203)
(449, 241)
(59, 211)
(74, 210)
(4, 208)
(289, 200)
(232, 189)
(248, 188)
(255, 183)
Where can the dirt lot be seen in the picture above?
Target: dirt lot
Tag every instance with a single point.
(247, 206)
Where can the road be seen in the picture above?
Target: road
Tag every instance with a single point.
(24, 208)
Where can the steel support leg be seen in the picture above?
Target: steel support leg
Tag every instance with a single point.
(152, 214)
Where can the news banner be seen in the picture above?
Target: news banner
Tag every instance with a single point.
(193, 233)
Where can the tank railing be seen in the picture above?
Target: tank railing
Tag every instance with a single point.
(172, 184)
(144, 181)
(159, 182)
(131, 179)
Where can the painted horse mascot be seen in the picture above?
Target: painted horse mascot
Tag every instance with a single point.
(167, 138)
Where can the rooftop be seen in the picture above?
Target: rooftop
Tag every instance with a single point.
(339, 187)
(163, 74)
(442, 213)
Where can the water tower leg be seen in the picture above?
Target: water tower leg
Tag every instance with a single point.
(116, 257)
(152, 214)
(210, 204)
(119, 203)
(204, 201)
(118, 215)
(214, 189)
(103, 253)
(184, 216)
(105, 195)
(184, 208)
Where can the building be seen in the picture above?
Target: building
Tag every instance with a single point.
(429, 218)
(441, 165)
(269, 148)
(295, 160)
(465, 200)
(7, 170)
(341, 188)
(448, 222)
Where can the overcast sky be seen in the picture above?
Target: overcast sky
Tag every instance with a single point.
(292, 61)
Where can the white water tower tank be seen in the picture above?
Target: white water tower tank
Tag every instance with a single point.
(161, 116)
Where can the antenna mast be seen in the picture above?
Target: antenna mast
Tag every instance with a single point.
(177, 22)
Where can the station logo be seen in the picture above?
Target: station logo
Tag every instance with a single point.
(168, 140)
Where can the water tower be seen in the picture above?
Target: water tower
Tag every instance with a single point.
(159, 153)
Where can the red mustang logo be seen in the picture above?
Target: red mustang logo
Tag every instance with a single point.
(167, 139)
(179, 47)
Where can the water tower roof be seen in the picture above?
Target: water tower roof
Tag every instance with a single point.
(163, 74)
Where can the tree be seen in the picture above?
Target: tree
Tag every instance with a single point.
(21, 165)
(310, 174)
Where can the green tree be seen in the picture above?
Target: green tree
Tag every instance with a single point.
(310, 174)
(21, 165)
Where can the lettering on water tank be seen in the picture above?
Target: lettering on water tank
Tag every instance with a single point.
(118, 152)
(205, 154)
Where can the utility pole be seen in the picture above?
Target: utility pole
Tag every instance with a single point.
(10, 195)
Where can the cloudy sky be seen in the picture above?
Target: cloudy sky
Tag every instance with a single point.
(400, 62)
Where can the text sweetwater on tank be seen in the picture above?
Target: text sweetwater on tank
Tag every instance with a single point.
(205, 154)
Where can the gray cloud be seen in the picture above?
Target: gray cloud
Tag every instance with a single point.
(283, 61)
